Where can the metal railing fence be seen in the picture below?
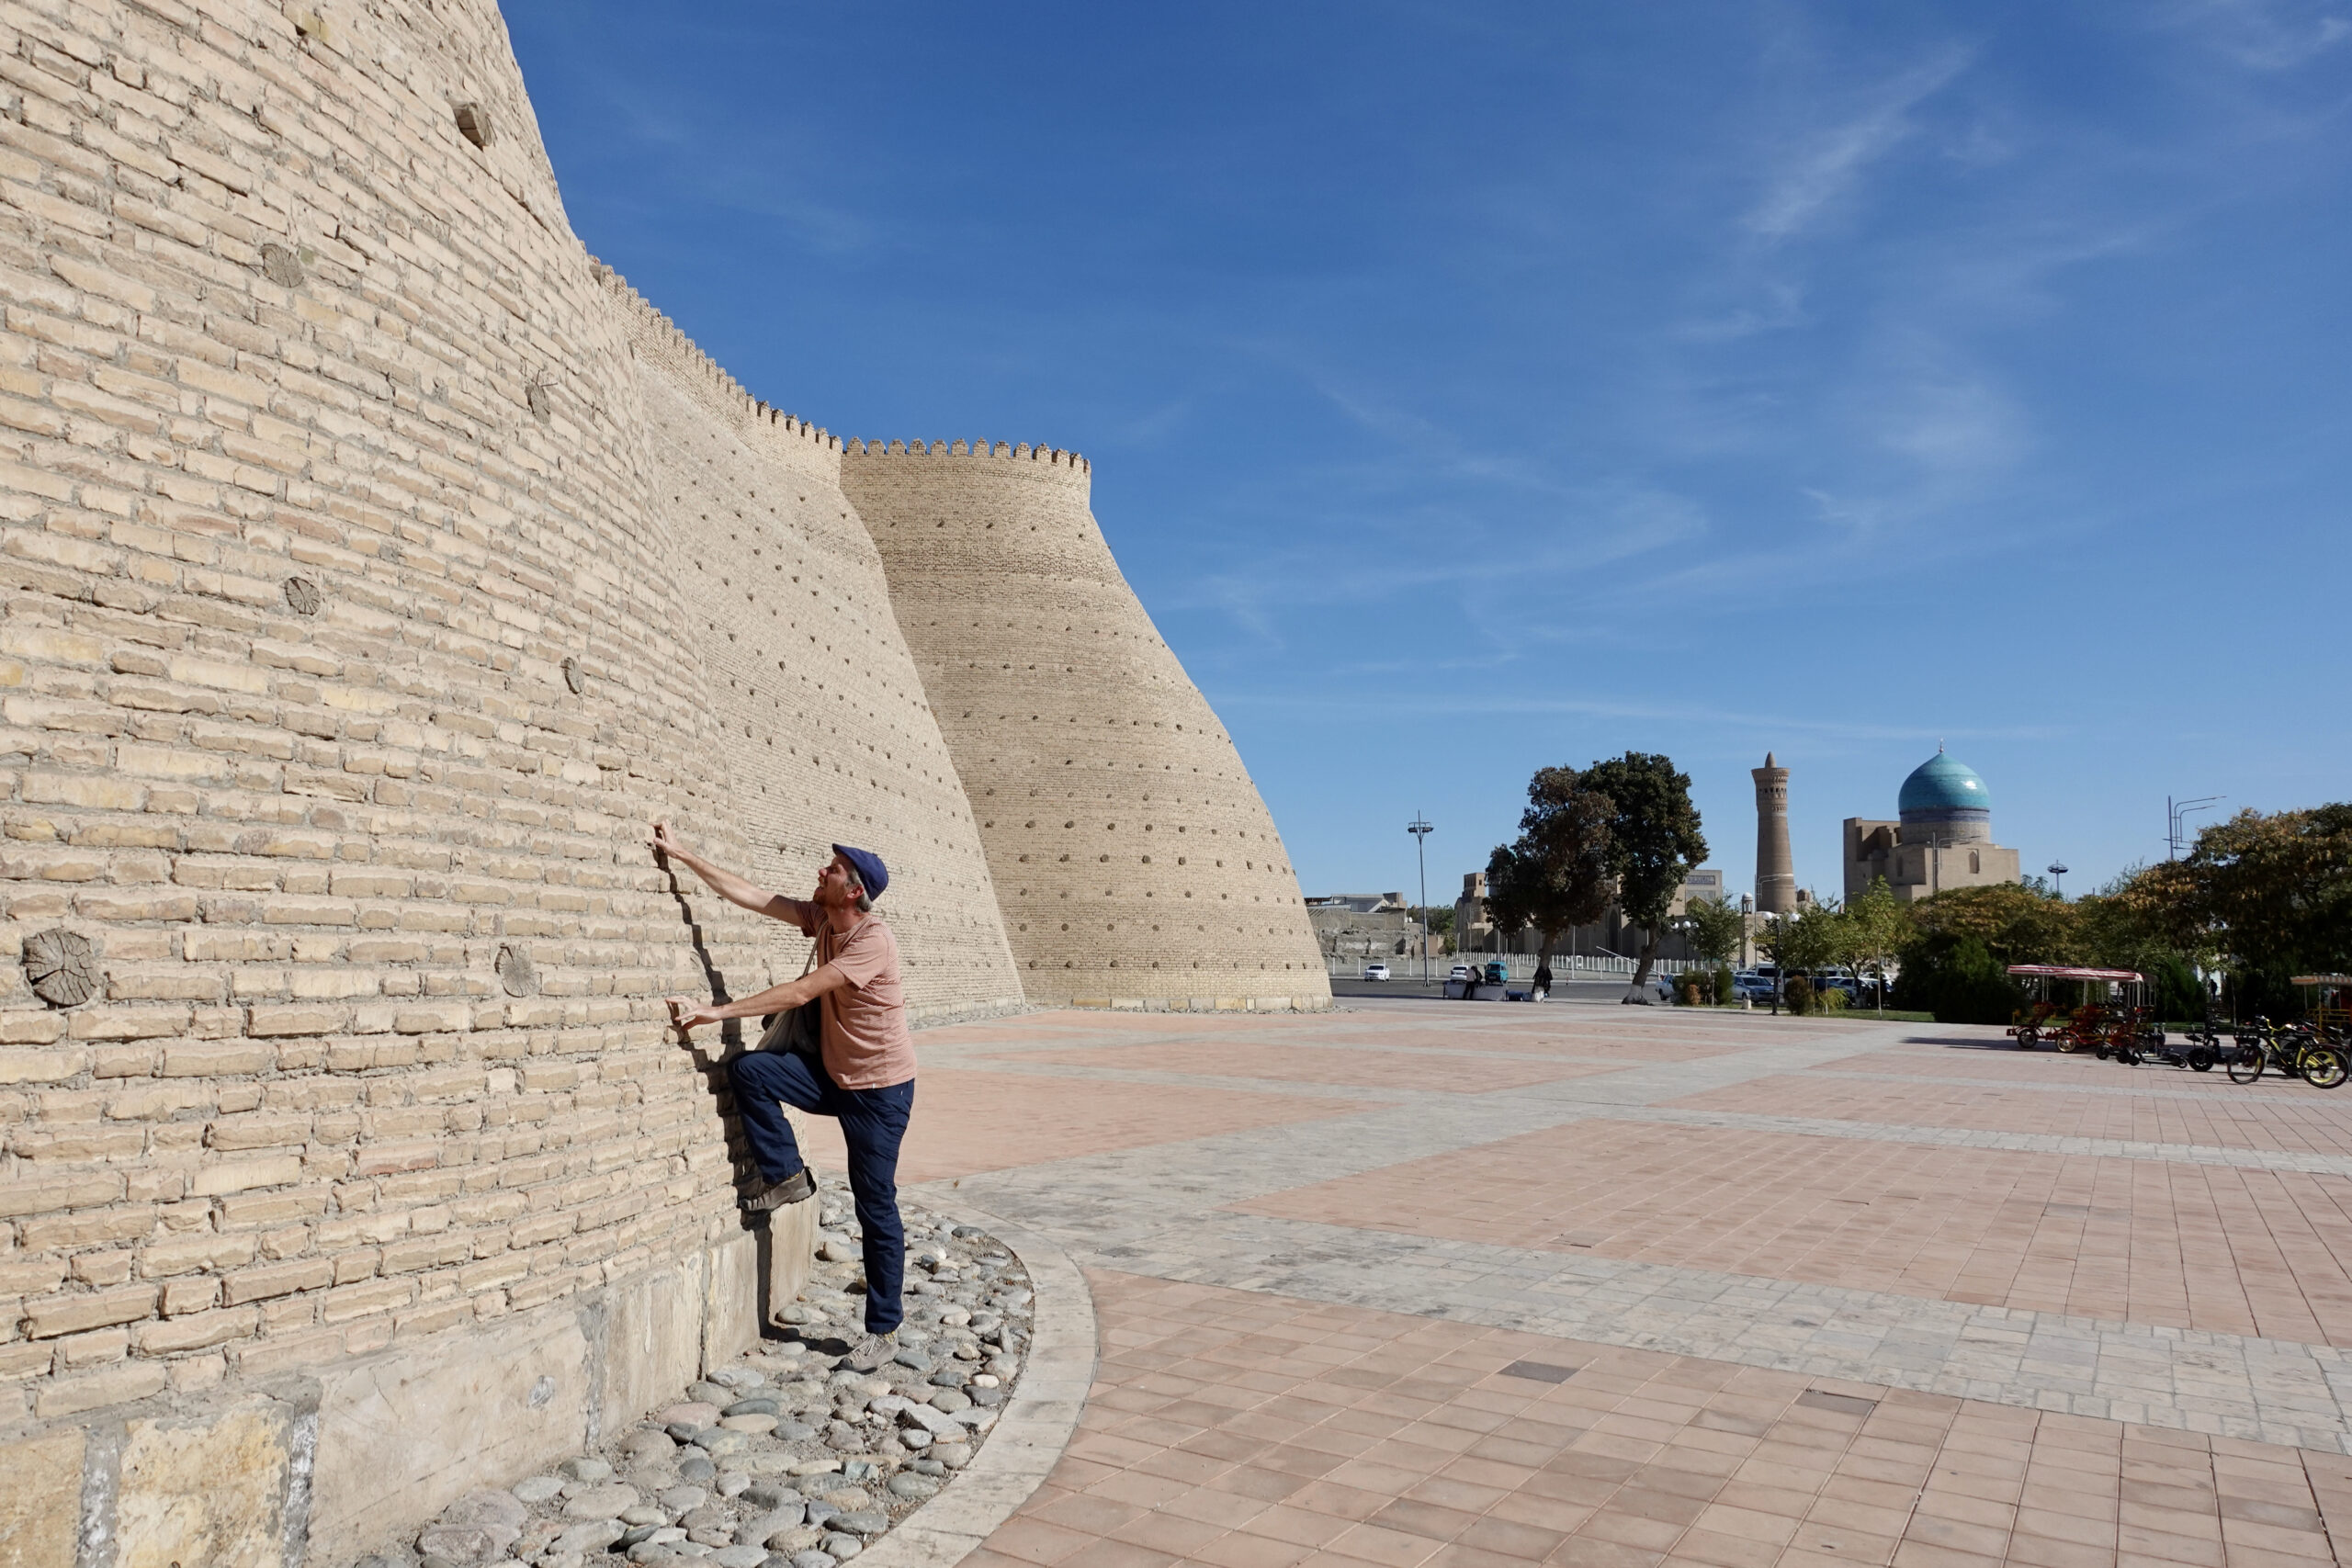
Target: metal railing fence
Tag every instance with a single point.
(1520, 966)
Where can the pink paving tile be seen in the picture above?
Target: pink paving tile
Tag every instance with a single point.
(1795, 1488)
(968, 1121)
(2199, 1247)
(1457, 1074)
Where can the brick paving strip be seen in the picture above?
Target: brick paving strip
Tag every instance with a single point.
(1252, 1431)
(1151, 1211)
(1977, 1138)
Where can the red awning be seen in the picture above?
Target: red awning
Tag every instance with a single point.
(2067, 972)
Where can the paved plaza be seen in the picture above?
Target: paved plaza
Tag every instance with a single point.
(1484, 1285)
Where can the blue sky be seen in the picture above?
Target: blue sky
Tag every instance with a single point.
(1476, 388)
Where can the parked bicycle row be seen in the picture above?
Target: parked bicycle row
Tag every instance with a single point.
(2108, 1014)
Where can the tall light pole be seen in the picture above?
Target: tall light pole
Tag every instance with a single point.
(2057, 870)
(2177, 809)
(1421, 830)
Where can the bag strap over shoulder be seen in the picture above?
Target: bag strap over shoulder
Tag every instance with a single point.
(776, 1036)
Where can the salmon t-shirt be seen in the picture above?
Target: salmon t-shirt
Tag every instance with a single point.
(866, 1041)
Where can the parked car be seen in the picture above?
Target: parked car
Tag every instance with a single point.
(1837, 980)
(1461, 971)
(1376, 971)
(1750, 987)
(1497, 973)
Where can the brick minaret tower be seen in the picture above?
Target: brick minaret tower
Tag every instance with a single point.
(1776, 878)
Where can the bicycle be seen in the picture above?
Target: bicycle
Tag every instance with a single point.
(2291, 1052)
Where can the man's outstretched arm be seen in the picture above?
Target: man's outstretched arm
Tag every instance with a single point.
(686, 1013)
(731, 888)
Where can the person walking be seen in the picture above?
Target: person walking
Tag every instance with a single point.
(864, 1075)
(1543, 981)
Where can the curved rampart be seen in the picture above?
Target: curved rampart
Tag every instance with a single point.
(827, 730)
(1133, 858)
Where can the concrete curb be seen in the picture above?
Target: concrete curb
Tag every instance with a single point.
(1037, 1420)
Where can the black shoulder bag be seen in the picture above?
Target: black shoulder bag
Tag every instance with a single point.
(801, 1029)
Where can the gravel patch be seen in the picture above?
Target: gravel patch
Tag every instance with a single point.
(784, 1457)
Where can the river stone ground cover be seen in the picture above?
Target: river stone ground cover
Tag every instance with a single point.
(785, 1459)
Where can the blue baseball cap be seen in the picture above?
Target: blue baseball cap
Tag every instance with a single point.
(872, 875)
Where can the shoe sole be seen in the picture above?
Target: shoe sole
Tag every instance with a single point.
(774, 1198)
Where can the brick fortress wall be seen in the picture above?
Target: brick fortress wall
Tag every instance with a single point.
(356, 543)
(1134, 860)
(348, 1158)
(828, 731)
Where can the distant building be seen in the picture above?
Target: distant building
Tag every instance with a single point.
(1362, 902)
(1612, 933)
(1364, 925)
(1704, 884)
(1942, 839)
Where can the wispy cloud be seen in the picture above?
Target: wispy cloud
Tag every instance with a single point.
(1818, 165)
(2263, 35)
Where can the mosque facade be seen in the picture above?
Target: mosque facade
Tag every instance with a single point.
(1942, 837)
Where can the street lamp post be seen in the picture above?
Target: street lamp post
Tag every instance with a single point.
(2057, 870)
(2177, 809)
(1421, 830)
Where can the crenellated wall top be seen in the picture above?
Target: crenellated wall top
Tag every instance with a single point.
(653, 323)
(1050, 457)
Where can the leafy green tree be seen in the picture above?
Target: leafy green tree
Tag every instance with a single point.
(1654, 840)
(2268, 897)
(2016, 924)
(1713, 928)
(1955, 976)
(1802, 941)
(1555, 876)
(1871, 929)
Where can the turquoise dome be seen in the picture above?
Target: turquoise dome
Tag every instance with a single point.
(1940, 784)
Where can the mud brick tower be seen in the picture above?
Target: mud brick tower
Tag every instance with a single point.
(1776, 878)
(374, 567)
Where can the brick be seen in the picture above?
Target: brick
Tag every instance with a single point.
(277, 1280)
(41, 1195)
(17, 1067)
(49, 1316)
(244, 1175)
(187, 1255)
(119, 1384)
(194, 1332)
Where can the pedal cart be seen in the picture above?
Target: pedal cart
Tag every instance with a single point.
(2076, 1009)
(2328, 1006)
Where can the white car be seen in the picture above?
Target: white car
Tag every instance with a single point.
(1376, 971)
(1461, 971)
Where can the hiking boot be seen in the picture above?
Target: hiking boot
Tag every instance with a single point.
(870, 1353)
(765, 1195)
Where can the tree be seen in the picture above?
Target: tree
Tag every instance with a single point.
(2269, 896)
(1713, 929)
(1802, 941)
(1870, 930)
(2016, 924)
(1555, 875)
(1654, 840)
(1953, 976)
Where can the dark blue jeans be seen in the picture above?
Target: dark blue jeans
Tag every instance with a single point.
(873, 1122)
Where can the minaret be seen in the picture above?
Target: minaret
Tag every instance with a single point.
(1776, 876)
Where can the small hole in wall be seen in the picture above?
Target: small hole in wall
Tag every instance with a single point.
(473, 124)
